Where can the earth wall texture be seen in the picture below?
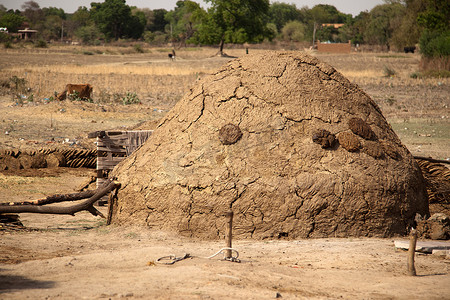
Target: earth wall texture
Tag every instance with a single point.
(284, 141)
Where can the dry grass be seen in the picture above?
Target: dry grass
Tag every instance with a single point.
(148, 69)
(150, 76)
(360, 74)
(146, 81)
(162, 82)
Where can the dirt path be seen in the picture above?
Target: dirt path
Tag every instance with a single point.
(81, 258)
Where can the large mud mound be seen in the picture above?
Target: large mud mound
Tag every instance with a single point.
(286, 142)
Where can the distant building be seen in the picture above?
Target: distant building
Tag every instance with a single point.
(334, 25)
(334, 47)
(27, 33)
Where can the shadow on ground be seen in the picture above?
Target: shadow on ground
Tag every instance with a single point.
(10, 283)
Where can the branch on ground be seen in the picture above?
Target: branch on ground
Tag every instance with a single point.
(87, 205)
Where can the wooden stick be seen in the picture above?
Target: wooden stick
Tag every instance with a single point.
(111, 203)
(53, 199)
(411, 253)
(229, 233)
(439, 161)
(70, 210)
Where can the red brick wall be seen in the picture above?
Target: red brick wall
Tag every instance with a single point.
(334, 48)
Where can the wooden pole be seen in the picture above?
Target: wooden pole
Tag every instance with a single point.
(411, 253)
(314, 35)
(53, 199)
(111, 203)
(229, 233)
(439, 161)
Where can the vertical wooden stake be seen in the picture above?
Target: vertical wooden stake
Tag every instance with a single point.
(229, 233)
(411, 253)
(110, 208)
(111, 204)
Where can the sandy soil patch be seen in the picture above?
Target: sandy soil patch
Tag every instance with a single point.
(79, 257)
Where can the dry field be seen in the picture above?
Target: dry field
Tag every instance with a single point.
(63, 257)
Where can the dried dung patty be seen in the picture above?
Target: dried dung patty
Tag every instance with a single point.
(361, 128)
(324, 138)
(32, 161)
(349, 141)
(230, 134)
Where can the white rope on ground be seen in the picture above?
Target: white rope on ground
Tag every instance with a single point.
(232, 258)
(171, 259)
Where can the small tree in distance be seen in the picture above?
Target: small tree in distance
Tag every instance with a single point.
(115, 20)
(182, 20)
(293, 31)
(233, 21)
(435, 38)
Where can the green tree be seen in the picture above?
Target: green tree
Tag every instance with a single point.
(11, 21)
(50, 28)
(327, 33)
(88, 34)
(294, 31)
(183, 20)
(3, 10)
(80, 18)
(407, 32)
(115, 20)
(282, 13)
(436, 16)
(136, 25)
(435, 44)
(382, 23)
(53, 11)
(147, 14)
(234, 21)
(435, 38)
(33, 12)
(272, 30)
(159, 21)
(355, 29)
(324, 13)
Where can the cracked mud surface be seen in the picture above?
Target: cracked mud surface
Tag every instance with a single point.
(278, 182)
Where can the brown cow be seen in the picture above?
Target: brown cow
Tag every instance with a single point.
(83, 91)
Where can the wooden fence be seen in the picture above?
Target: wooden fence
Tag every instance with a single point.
(114, 146)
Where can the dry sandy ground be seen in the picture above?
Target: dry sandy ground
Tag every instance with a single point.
(80, 258)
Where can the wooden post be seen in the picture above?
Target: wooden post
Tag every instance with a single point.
(110, 208)
(229, 233)
(411, 253)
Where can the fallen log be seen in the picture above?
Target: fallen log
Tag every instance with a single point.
(69, 210)
(53, 199)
